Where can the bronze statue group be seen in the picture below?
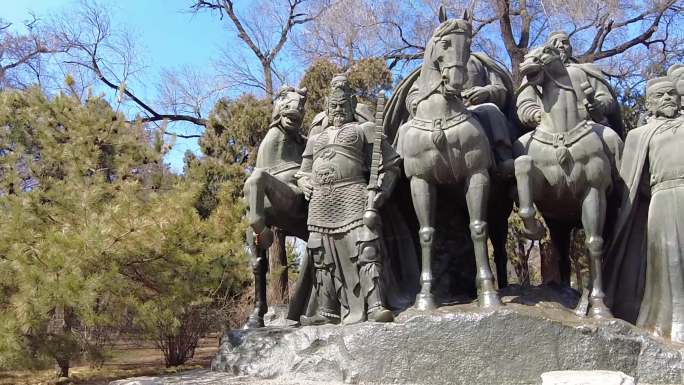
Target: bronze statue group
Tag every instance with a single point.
(452, 127)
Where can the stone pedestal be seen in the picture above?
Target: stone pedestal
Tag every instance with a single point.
(461, 344)
(586, 377)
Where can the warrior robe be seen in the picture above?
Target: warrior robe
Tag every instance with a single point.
(644, 270)
(529, 98)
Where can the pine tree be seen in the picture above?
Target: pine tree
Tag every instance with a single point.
(97, 232)
(63, 167)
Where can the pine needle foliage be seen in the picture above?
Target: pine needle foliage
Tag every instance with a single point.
(97, 236)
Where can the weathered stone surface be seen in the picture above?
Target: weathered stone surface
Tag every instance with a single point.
(459, 344)
(207, 377)
(277, 316)
(586, 377)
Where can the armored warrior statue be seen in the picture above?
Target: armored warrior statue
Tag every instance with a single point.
(645, 275)
(272, 195)
(596, 99)
(344, 244)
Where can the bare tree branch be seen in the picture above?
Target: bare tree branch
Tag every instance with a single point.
(596, 52)
(266, 56)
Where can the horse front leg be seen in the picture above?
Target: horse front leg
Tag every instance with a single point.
(259, 186)
(424, 197)
(255, 195)
(593, 219)
(532, 228)
(477, 192)
(259, 262)
(500, 207)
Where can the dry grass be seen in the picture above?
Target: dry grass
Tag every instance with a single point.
(129, 359)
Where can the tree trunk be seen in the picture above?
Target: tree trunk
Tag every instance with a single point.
(62, 368)
(517, 58)
(268, 79)
(550, 263)
(278, 265)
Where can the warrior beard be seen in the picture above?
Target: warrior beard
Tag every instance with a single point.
(339, 119)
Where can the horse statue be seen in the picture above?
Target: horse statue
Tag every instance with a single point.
(566, 167)
(272, 196)
(446, 145)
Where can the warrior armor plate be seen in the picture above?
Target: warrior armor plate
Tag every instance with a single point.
(339, 176)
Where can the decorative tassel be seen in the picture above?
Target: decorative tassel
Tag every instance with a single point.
(438, 136)
(563, 156)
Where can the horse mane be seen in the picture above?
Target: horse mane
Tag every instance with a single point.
(430, 77)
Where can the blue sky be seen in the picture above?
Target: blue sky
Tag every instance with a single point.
(168, 34)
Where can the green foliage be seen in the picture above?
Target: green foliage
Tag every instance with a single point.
(235, 130)
(633, 103)
(367, 77)
(64, 167)
(96, 233)
(317, 79)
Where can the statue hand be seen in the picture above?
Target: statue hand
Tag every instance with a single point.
(414, 107)
(371, 219)
(307, 188)
(537, 117)
(476, 95)
(595, 110)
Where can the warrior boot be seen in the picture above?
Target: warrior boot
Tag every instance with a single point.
(318, 319)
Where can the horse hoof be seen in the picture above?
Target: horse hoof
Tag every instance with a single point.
(489, 299)
(599, 310)
(381, 315)
(425, 302)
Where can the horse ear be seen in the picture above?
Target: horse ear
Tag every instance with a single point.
(442, 14)
(466, 15)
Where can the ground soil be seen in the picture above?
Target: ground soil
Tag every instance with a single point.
(129, 358)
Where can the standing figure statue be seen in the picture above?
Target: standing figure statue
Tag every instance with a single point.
(645, 275)
(445, 145)
(345, 243)
(565, 167)
(595, 98)
(272, 196)
(676, 75)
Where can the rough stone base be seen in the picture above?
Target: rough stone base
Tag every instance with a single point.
(458, 344)
(207, 377)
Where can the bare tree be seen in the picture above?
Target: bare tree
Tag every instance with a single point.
(610, 27)
(113, 58)
(608, 31)
(21, 54)
(264, 29)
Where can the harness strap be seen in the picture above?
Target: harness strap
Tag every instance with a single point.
(563, 139)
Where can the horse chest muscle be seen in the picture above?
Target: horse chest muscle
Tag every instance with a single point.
(463, 149)
(586, 166)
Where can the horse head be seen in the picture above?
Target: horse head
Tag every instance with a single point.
(541, 63)
(288, 109)
(446, 56)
